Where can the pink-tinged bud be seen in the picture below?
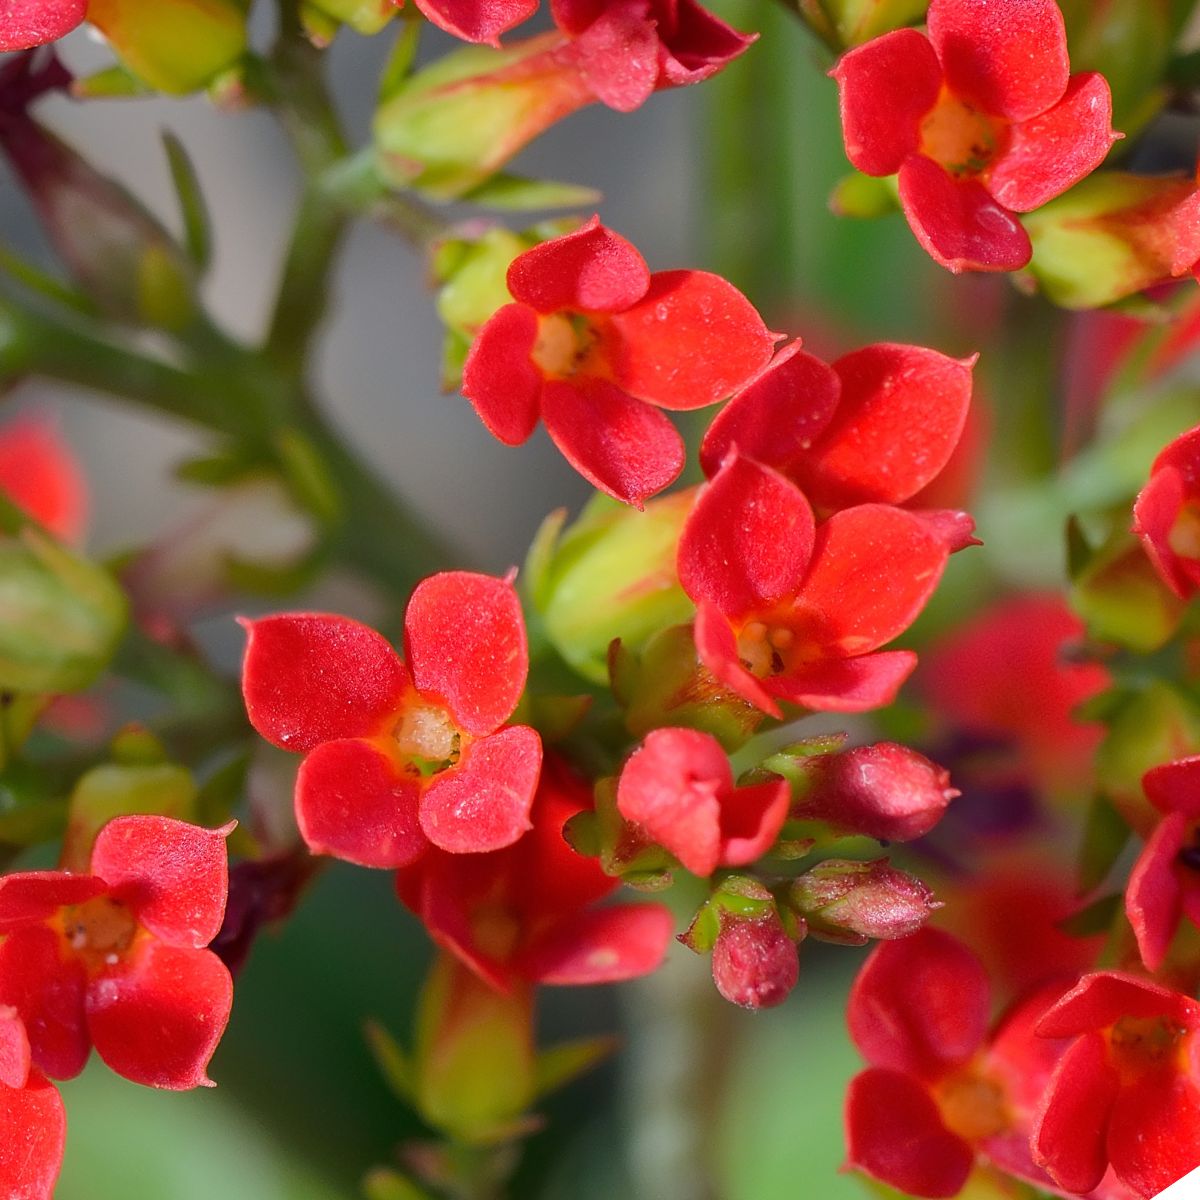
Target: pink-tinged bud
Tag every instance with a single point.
(885, 791)
(754, 962)
(851, 902)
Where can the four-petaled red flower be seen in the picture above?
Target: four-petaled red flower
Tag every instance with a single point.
(33, 1126)
(1126, 1092)
(116, 958)
(981, 119)
(1166, 514)
(398, 755)
(39, 474)
(28, 23)
(595, 345)
(527, 914)
(789, 610)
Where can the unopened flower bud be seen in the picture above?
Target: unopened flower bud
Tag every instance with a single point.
(850, 902)
(754, 962)
(848, 23)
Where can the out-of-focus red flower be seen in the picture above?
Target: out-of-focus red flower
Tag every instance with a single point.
(399, 755)
(678, 788)
(33, 1126)
(28, 23)
(595, 346)
(1166, 514)
(477, 20)
(788, 610)
(116, 959)
(39, 474)
(981, 119)
(1164, 885)
(527, 913)
(1126, 1091)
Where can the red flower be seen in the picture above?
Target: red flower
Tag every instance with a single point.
(115, 959)
(678, 787)
(792, 611)
(1164, 885)
(28, 23)
(595, 345)
(526, 913)
(39, 474)
(876, 426)
(400, 756)
(477, 20)
(33, 1126)
(1125, 1092)
(1166, 514)
(981, 119)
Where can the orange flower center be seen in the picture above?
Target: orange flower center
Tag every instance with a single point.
(565, 343)
(960, 137)
(427, 738)
(1184, 537)
(98, 932)
(765, 649)
(972, 1104)
(1141, 1044)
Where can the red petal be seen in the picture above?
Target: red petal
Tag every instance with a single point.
(698, 45)
(718, 651)
(746, 544)
(885, 88)
(592, 270)
(1154, 1131)
(1008, 56)
(47, 990)
(1104, 997)
(1054, 151)
(157, 1016)
(28, 23)
(952, 526)
(1155, 512)
(1153, 899)
(895, 1134)
(464, 638)
(776, 418)
(38, 472)
(34, 1134)
(316, 677)
(354, 802)
(15, 1061)
(621, 445)
(618, 56)
(690, 341)
(958, 222)
(1069, 1133)
(847, 684)
(604, 946)
(32, 896)
(902, 412)
(477, 20)
(174, 876)
(920, 1005)
(483, 803)
(1174, 787)
(751, 818)
(500, 377)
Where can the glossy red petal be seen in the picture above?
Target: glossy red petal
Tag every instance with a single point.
(172, 875)
(957, 221)
(316, 677)
(477, 20)
(354, 802)
(32, 896)
(464, 638)
(1054, 151)
(28, 23)
(1069, 1135)
(847, 684)
(751, 818)
(1154, 1131)
(886, 87)
(606, 945)
(1174, 787)
(746, 544)
(157, 1016)
(1008, 56)
(592, 270)
(1153, 898)
(483, 803)
(38, 472)
(618, 56)
(902, 412)
(695, 43)
(47, 990)
(692, 340)
(718, 651)
(873, 569)
(33, 1133)
(895, 1134)
(621, 445)
(1104, 997)
(778, 415)
(674, 786)
(500, 377)
(15, 1060)
(920, 1005)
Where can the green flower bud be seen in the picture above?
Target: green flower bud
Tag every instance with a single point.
(845, 23)
(363, 16)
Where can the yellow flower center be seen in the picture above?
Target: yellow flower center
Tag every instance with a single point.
(960, 137)
(98, 932)
(972, 1105)
(564, 343)
(1184, 537)
(427, 738)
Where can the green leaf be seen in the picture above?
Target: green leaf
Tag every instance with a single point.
(400, 60)
(37, 280)
(559, 1065)
(512, 193)
(197, 227)
(393, 1062)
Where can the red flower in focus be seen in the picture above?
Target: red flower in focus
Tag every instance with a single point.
(28, 23)
(876, 426)
(1166, 514)
(595, 345)
(115, 959)
(1125, 1092)
(678, 787)
(981, 119)
(40, 475)
(33, 1126)
(527, 913)
(793, 611)
(400, 756)
(1164, 885)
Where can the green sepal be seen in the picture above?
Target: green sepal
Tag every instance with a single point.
(112, 83)
(559, 1065)
(400, 60)
(392, 1060)
(864, 197)
(307, 476)
(513, 193)
(197, 225)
